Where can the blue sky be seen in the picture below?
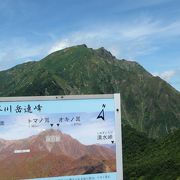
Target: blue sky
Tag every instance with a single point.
(145, 31)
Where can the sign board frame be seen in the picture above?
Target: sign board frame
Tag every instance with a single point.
(117, 111)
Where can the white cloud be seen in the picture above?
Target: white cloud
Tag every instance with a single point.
(167, 75)
(60, 45)
(128, 40)
(131, 5)
(19, 50)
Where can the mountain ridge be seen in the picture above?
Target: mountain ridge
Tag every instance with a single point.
(149, 104)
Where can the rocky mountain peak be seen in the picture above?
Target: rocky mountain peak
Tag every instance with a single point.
(105, 53)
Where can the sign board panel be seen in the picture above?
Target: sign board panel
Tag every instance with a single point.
(61, 138)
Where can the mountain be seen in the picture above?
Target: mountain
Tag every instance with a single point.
(149, 104)
(146, 158)
(150, 111)
(67, 156)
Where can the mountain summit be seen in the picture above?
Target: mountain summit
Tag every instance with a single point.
(149, 104)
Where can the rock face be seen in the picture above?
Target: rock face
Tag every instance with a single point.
(149, 104)
(64, 157)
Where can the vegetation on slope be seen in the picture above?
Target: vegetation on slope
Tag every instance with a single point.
(149, 104)
(146, 158)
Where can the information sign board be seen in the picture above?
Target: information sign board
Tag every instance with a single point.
(61, 138)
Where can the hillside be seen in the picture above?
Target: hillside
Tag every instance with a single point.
(149, 104)
(146, 158)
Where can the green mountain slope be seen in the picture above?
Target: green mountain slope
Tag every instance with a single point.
(146, 158)
(149, 104)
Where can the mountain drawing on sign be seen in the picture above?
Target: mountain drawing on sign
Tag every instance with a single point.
(64, 156)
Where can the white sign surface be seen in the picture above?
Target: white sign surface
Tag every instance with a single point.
(61, 138)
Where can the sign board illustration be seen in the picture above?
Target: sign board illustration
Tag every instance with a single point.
(61, 138)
